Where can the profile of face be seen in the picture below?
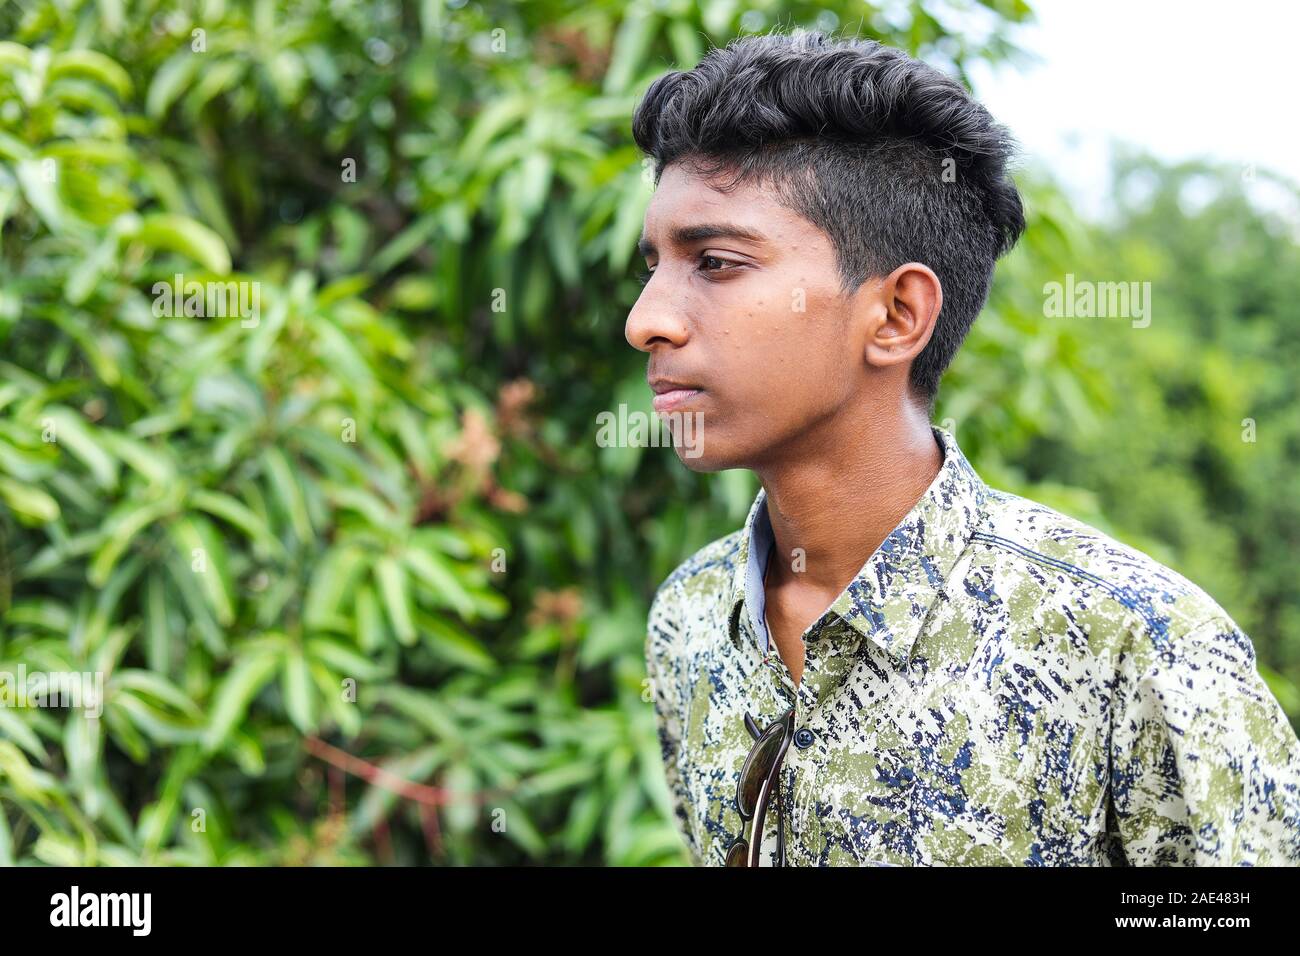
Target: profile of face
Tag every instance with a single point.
(749, 333)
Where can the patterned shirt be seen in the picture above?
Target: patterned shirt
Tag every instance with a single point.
(999, 685)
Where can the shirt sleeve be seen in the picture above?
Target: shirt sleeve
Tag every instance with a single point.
(1205, 766)
(662, 660)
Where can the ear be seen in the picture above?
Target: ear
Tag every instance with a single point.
(910, 298)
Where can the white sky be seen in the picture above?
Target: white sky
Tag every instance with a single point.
(1181, 78)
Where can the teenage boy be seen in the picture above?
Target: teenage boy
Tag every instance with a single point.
(940, 673)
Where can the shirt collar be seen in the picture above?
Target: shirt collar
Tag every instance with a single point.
(890, 598)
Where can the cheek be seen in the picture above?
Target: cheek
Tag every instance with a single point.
(799, 345)
(782, 371)
(775, 340)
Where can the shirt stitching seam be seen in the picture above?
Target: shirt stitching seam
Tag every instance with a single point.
(1115, 591)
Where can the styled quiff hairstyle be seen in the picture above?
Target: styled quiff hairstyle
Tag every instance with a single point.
(892, 158)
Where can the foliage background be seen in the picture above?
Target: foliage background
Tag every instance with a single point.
(494, 167)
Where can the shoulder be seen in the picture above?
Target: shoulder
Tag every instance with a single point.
(696, 587)
(1134, 601)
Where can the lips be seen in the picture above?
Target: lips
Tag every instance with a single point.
(674, 399)
(671, 395)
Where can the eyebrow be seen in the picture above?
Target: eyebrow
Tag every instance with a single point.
(712, 230)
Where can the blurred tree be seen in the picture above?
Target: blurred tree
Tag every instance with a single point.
(1204, 403)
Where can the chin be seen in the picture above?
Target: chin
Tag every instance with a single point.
(708, 457)
(702, 463)
(711, 448)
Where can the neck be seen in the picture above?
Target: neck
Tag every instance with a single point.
(839, 493)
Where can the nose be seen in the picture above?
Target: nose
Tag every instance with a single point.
(654, 321)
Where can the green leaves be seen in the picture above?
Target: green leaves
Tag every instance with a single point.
(123, 524)
(183, 235)
(70, 431)
(240, 516)
(445, 587)
(288, 492)
(32, 505)
(195, 538)
(392, 581)
(38, 178)
(631, 44)
(93, 65)
(299, 695)
(170, 81)
(236, 690)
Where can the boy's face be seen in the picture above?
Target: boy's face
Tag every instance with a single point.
(749, 330)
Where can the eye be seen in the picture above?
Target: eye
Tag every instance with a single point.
(720, 265)
(707, 264)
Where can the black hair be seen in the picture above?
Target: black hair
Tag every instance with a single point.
(892, 158)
